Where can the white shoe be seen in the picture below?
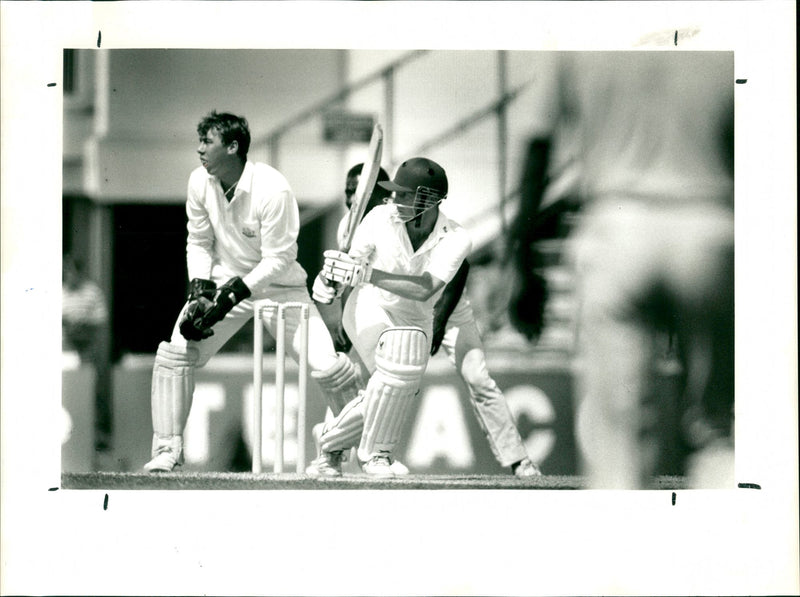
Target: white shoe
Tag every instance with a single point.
(167, 454)
(327, 464)
(398, 468)
(379, 465)
(163, 462)
(526, 468)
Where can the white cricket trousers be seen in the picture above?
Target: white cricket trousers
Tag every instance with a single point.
(464, 348)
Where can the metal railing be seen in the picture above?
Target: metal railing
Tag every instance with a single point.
(273, 138)
(496, 108)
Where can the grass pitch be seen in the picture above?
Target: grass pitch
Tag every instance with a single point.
(294, 481)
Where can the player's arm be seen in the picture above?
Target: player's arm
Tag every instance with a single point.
(347, 271)
(415, 288)
(355, 269)
(200, 234)
(199, 259)
(446, 304)
(279, 222)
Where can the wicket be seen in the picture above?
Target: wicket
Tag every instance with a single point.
(280, 382)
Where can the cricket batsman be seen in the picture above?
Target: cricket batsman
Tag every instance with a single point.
(402, 255)
(456, 331)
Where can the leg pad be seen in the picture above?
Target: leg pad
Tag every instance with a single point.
(341, 383)
(172, 389)
(400, 359)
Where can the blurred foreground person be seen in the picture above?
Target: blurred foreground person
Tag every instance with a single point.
(653, 249)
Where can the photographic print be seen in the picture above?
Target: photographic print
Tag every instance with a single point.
(477, 310)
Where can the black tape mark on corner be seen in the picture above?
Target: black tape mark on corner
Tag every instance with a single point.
(741, 81)
(51, 84)
(99, 38)
(749, 486)
(676, 37)
(105, 502)
(53, 489)
(674, 496)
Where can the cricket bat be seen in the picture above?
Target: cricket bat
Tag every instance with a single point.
(366, 183)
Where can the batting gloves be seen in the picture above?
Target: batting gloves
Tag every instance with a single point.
(325, 292)
(340, 267)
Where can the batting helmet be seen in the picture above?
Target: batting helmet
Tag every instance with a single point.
(423, 177)
(418, 172)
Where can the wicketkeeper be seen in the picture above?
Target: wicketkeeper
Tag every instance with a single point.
(241, 246)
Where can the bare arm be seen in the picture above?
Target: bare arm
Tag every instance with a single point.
(446, 304)
(415, 288)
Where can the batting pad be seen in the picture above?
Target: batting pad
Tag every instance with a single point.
(172, 388)
(344, 431)
(400, 360)
(341, 383)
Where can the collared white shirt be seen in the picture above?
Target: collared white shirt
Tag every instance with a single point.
(253, 236)
(382, 239)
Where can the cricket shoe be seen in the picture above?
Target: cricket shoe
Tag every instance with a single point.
(167, 454)
(327, 464)
(316, 433)
(379, 466)
(163, 462)
(398, 468)
(526, 468)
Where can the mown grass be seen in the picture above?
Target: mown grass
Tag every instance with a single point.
(293, 481)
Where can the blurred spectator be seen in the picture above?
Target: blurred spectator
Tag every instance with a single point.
(84, 321)
(653, 249)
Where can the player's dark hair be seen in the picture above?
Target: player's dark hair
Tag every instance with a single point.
(230, 127)
(378, 193)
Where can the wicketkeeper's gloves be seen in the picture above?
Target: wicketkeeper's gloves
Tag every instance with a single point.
(201, 293)
(227, 296)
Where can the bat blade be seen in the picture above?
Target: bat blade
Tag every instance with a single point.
(366, 183)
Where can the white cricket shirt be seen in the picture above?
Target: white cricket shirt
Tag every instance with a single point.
(253, 236)
(382, 239)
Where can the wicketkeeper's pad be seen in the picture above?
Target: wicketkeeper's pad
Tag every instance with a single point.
(172, 388)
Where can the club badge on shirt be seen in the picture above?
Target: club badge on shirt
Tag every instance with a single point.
(248, 232)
